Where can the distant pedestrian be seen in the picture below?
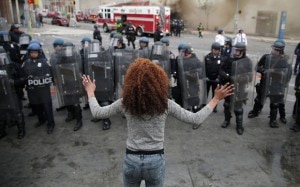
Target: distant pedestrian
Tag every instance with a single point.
(200, 29)
(241, 37)
(220, 38)
(41, 19)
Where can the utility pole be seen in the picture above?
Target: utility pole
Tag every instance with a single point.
(27, 16)
(236, 17)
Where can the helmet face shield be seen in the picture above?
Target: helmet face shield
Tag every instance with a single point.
(94, 47)
(67, 51)
(158, 49)
(24, 40)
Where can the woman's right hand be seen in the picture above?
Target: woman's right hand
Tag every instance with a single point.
(223, 91)
(89, 85)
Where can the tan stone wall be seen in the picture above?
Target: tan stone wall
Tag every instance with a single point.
(220, 13)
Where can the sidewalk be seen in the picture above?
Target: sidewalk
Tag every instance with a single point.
(57, 30)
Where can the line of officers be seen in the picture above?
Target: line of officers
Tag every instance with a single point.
(190, 78)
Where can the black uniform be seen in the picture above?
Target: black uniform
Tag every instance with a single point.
(130, 35)
(296, 126)
(297, 65)
(225, 77)
(39, 77)
(158, 34)
(259, 87)
(97, 35)
(13, 114)
(212, 67)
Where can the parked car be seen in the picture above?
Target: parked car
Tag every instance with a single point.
(52, 14)
(61, 21)
(79, 16)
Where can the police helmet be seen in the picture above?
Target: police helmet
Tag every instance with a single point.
(34, 47)
(278, 45)
(181, 46)
(57, 42)
(86, 39)
(36, 41)
(14, 26)
(144, 39)
(216, 45)
(187, 49)
(228, 41)
(240, 46)
(165, 40)
(67, 44)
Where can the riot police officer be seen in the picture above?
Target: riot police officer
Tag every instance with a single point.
(85, 42)
(175, 84)
(144, 42)
(277, 50)
(296, 126)
(12, 83)
(97, 34)
(100, 67)
(213, 62)
(191, 76)
(172, 57)
(65, 63)
(158, 34)
(39, 78)
(130, 34)
(226, 51)
(238, 71)
(120, 44)
(144, 50)
(57, 45)
(15, 33)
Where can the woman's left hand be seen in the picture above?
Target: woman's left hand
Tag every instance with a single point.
(89, 85)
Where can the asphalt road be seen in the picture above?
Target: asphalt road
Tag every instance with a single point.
(208, 156)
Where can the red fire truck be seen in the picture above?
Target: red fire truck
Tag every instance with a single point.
(145, 19)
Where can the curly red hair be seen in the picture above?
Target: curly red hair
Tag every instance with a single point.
(145, 88)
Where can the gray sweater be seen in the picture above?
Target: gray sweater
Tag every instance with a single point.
(145, 132)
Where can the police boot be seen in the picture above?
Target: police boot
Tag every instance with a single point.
(239, 121)
(78, 125)
(106, 124)
(281, 109)
(2, 129)
(95, 120)
(295, 127)
(273, 115)
(70, 116)
(21, 126)
(227, 114)
(255, 111)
